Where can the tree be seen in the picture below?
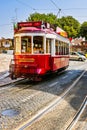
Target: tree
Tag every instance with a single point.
(42, 17)
(50, 18)
(69, 24)
(83, 30)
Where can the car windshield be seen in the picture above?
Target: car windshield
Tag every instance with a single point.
(80, 53)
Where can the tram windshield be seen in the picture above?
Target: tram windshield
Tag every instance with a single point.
(26, 44)
(29, 44)
(38, 45)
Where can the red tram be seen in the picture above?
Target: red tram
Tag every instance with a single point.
(38, 50)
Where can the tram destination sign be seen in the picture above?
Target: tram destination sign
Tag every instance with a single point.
(30, 24)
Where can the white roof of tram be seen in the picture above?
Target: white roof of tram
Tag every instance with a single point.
(48, 33)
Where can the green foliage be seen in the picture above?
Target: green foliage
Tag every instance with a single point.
(69, 24)
(50, 18)
(83, 30)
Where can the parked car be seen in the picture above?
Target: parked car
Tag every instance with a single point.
(77, 56)
(85, 54)
(81, 53)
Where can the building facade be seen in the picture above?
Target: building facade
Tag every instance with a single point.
(78, 44)
(6, 44)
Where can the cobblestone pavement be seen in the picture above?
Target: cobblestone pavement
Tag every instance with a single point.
(25, 99)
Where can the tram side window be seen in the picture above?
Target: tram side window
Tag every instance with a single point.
(38, 44)
(60, 48)
(56, 48)
(64, 48)
(67, 49)
(24, 46)
(48, 45)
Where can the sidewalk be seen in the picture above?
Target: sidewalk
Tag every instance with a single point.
(4, 68)
(4, 62)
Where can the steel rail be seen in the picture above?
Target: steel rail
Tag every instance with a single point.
(78, 114)
(48, 108)
(12, 82)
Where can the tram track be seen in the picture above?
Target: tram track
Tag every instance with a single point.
(49, 107)
(16, 87)
(19, 88)
(5, 76)
(29, 98)
(81, 124)
(78, 114)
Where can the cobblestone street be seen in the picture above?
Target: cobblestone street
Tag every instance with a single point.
(20, 102)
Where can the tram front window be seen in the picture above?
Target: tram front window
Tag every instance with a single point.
(38, 44)
(17, 45)
(31, 46)
(26, 45)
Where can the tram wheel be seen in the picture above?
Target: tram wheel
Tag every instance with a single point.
(13, 76)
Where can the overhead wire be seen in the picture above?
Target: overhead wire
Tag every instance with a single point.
(23, 3)
(54, 4)
(59, 9)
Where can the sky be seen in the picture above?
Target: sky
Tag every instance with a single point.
(19, 10)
